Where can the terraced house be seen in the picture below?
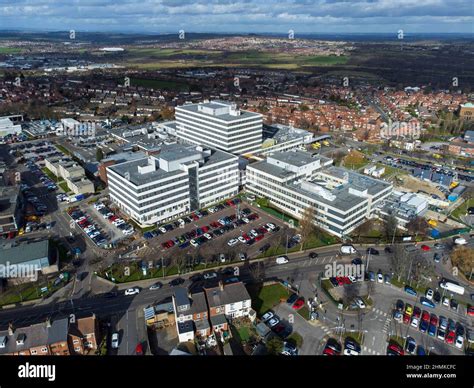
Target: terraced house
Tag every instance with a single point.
(180, 179)
(295, 181)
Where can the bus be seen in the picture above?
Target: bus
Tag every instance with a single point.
(453, 287)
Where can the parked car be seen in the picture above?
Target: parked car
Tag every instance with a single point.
(115, 341)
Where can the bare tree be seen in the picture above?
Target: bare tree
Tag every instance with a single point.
(417, 225)
(400, 261)
(391, 225)
(257, 271)
(350, 293)
(306, 225)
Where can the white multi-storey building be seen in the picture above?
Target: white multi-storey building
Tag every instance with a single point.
(220, 125)
(178, 180)
(294, 181)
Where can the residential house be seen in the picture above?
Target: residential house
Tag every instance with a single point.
(83, 335)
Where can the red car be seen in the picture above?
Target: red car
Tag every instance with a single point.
(406, 319)
(259, 237)
(397, 349)
(434, 320)
(425, 248)
(298, 304)
(214, 224)
(425, 316)
(470, 311)
(339, 280)
(205, 229)
(195, 217)
(450, 337)
(329, 352)
(246, 237)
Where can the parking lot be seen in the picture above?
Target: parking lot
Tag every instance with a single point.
(193, 236)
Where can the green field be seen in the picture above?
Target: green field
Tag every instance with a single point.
(155, 58)
(10, 50)
(159, 84)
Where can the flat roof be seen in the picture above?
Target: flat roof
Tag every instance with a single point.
(215, 104)
(25, 252)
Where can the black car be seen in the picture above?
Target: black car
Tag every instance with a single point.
(292, 299)
(454, 304)
(196, 278)
(352, 345)
(357, 261)
(334, 345)
(176, 282)
(313, 255)
(400, 305)
(265, 248)
(437, 297)
(111, 294)
(388, 250)
(372, 251)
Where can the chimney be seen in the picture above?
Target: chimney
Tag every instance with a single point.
(10, 329)
(221, 285)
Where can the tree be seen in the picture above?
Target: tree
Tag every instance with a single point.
(463, 259)
(274, 346)
(306, 225)
(349, 293)
(417, 225)
(99, 154)
(391, 225)
(400, 261)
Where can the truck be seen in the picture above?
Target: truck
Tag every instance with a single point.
(452, 287)
(75, 198)
(348, 249)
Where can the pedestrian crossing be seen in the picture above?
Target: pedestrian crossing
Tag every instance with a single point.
(386, 325)
(380, 312)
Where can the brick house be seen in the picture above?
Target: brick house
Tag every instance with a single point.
(83, 335)
(227, 302)
(46, 338)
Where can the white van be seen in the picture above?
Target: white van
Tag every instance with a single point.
(460, 241)
(282, 260)
(453, 287)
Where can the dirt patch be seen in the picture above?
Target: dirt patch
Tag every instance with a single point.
(409, 183)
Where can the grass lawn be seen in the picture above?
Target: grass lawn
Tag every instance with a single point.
(304, 312)
(319, 239)
(296, 339)
(279, 215)
(355, 160)
(26, 292)
(265, 298)
(50, 174)
(462, 210)
(64, 187)
(64, 150)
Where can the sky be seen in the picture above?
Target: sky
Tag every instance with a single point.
(240, 16)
